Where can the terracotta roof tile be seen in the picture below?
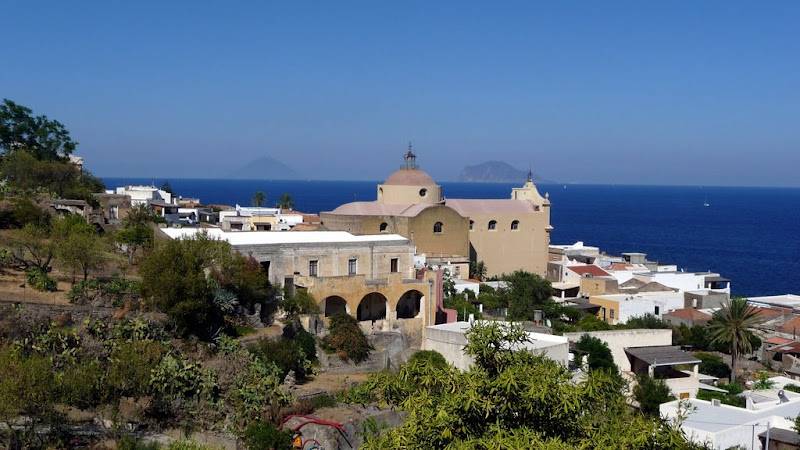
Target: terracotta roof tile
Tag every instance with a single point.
(689, 314)
(591, 269)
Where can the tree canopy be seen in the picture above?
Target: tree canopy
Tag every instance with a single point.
(513, 399)
(44, 138)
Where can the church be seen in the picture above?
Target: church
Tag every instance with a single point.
(505, 234)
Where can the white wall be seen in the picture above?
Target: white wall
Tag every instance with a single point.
(645, 304)
(683, 281)
(617, 340)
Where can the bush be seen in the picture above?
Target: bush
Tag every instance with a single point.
(651, 393)
(346, 339)
(599, 353)
(113, 291)
(461, 304)
(131, 443)
(39, 280)
(728, 399)
(429, 357)
(711, 364)
(287, 354)
(265, 436)
(132, 364)
(792, 387)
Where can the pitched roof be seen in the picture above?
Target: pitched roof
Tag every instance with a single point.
(469, 207)
(590, 269)
(689, 314)
(790, 326)
(632, 283)
(777, 340)
(655, 286)
(791, 347)
(662, 355)
(381, 209)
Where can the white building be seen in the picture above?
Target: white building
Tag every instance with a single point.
(449, 339)
(245, 218)
(781, 301)
(687, 281)
(724, 426)
(619, 308)
(142, 195)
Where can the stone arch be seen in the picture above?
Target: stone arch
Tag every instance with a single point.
(372, 307)
(334, 305)
(409, 304)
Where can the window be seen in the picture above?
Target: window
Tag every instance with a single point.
(437, 227)
(656, 310)
(423, 192)
(515, 225)
(471, 225)
(611, 313)
(393, 263)
(383, 227)
(492, 224)
(313, 266)
(352, 266)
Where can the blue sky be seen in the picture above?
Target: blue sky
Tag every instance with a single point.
(602, 92)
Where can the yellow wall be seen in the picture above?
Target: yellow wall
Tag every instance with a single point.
(609, 305)
(504, 250)
(399, 194)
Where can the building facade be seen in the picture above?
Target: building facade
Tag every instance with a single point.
(505, 234)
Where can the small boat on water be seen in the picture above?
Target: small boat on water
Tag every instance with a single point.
(705, 203)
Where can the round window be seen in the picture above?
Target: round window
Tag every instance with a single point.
(423, 192)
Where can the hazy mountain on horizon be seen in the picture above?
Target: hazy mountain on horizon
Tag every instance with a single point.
(496, 172)
(265, 168)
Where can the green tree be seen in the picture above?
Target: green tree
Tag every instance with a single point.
(78, 246)
(599, 355)
(20, 130)
(509, 399)
(32, 247)
(286, 202)
(175, 281)
(259, 198)
(711, 364)
(527, 292)
(651, 393)
(731, 326)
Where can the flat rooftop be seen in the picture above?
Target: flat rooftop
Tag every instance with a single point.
(463, 327)
(788, 300)
(237, 238)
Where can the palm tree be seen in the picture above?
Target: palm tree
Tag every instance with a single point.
(286, 202)
(259, 198)
(732, 325)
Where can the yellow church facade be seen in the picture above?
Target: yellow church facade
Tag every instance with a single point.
(505, 234)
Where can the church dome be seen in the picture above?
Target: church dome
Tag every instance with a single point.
(410, 177)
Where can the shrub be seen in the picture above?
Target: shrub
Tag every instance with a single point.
(728, 399)
(265, 436)
(83, 385)
(429, 357)
(300, 303)
(599, 353)
(711, 364)
(39, 280)
(462, 305)
(651, 393)
(114, 291)
(131, 443)
(286, 354)
(792, 387)
(346, 339)
(132, 364)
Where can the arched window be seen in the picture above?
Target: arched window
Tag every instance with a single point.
(515, 224)
(423, 192)
(437, 227)
(471, 225)
(492, 224)
(383, 227)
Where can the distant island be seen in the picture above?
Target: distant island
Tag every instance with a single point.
(265, 168)
(495, 172)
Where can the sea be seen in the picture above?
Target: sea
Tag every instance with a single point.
(748, 234)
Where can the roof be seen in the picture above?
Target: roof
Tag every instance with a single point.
(69, 202)
(655, 286)
(590, 269)
(769, 313)
(283, 237)
(662, 355)
(788, 300)
(791, 347)
(777, 340)
(381, 209)
(410, 177)
(632, 283)
(716, 278)
(791, 325)
(702, 415)
(781, 435)
(471, 206)
(689, 314)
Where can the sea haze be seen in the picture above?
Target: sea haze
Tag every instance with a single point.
(751, 235)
